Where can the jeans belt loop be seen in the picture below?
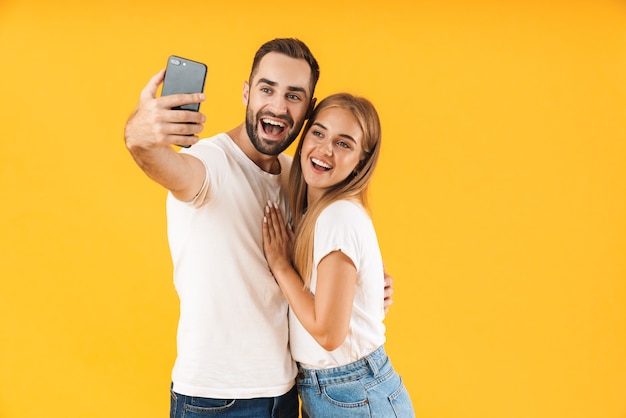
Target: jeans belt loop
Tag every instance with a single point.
(372, 363)
(315, 381)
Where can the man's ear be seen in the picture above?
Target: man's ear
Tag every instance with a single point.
(245, 94)
(309, 112)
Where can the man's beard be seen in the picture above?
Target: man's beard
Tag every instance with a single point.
(252, 128)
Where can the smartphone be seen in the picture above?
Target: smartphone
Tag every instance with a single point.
(184, 76)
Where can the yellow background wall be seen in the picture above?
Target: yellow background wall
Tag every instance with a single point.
(500, 200)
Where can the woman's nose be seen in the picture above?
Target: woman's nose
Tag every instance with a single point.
(327, 148)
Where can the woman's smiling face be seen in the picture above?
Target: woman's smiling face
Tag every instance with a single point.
(331, 150)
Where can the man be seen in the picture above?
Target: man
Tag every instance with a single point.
(233, 356)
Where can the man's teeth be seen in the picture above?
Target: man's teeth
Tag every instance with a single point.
(320, 163)
(273, 122)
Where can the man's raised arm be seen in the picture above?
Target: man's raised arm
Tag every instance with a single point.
(152, 130)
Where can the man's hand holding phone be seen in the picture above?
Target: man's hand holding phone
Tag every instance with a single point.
(152, 130)
(157, 121)
(184, 76)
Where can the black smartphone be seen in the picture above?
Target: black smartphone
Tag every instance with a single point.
(183, 75)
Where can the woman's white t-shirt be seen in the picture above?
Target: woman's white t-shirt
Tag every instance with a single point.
(345, 226)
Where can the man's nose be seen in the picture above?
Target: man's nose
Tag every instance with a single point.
(278, 105)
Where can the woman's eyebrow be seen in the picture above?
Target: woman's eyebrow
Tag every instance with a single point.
(346, 136)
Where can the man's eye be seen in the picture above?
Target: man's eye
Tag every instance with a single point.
(293, 97)
(265, 90)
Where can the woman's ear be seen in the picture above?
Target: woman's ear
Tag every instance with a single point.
(359, 166)
(245, 94)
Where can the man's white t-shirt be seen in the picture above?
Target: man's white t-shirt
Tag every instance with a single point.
(345, 226)
(232, 339)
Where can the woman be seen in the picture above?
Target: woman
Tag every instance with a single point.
(331, 269)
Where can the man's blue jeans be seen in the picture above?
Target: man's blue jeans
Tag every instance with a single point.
(285, 406)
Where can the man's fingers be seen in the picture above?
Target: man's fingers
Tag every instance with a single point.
(175, 133)
(388, 287)
(149, 92)
(176, 100)
(184, 116)
(155, 123)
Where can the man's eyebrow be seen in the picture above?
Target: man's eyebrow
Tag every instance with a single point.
(266, 81)
(274, 84)
(345, 136)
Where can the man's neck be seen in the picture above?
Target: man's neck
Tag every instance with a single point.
(267, 163)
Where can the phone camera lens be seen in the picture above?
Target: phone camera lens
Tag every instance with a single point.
(175, 61)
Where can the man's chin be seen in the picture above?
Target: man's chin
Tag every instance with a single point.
(273, 148)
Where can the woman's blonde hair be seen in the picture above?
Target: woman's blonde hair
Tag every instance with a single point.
(354, 187)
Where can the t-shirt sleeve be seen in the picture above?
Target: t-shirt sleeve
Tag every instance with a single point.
(214, 161)
(337, 229)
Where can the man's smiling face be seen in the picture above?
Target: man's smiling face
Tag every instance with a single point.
(278, 99)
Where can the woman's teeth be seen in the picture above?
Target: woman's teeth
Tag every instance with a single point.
(320, 163)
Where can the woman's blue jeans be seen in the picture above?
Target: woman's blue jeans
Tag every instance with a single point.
(366, 388)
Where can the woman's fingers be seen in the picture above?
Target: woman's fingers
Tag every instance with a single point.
(266, 229)
(268, 224)
(272, 212)
(290, 233)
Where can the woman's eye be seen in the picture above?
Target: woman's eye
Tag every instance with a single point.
(343, 144)
(317, 133)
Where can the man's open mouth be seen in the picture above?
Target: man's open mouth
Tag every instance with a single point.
(273, 127)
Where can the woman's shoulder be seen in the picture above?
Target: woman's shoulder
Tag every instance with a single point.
(344, 205)
(345, 210)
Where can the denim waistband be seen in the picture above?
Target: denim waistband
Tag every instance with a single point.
(371, 363)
